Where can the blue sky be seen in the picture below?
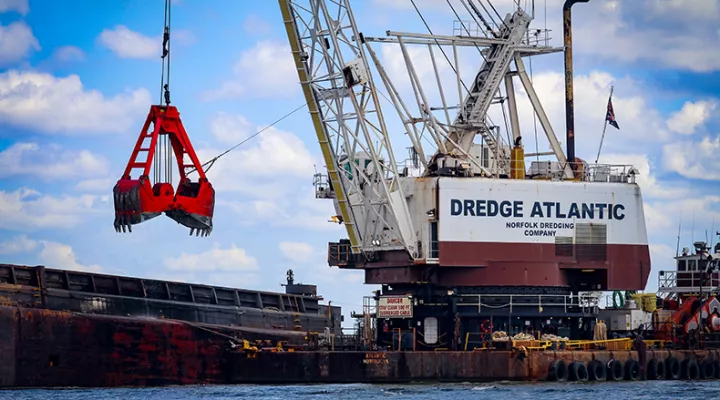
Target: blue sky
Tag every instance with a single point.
(77, 80)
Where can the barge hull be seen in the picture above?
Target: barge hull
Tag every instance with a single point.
(441, 366)
(46, 348)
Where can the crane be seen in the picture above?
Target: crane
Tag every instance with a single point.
(462, 229)
(333, 65)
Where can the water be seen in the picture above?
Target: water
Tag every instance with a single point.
(655, 390)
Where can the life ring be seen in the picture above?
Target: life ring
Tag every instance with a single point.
(486, 326)
(620, 301)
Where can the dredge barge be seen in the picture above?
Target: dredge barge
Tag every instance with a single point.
(61, 328)
(488, 269)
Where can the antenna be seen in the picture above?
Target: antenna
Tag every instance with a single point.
(712, 228)
(677, 247)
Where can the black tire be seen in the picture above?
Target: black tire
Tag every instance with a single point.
(632, 370)
(661, 369)
(717, 369)
(615, 370)
(596, 371)
(707, 369)
(557, 371)
(690, 369)
(672, 368)
(652, 370)
(578, 371)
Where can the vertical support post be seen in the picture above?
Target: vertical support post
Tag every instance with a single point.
(512, 106)
(414, 338)
(569, 101)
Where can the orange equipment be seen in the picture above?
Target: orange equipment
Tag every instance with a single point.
(138, 200)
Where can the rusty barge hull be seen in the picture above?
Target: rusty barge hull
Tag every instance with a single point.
(46, 348)
(100, 294)
(448, 366)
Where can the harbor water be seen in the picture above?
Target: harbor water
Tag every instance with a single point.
(655, 390)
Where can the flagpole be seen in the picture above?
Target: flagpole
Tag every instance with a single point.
(604, 126)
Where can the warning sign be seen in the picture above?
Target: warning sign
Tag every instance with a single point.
(394, 307)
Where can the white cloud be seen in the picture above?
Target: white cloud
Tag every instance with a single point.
(62, 256)
(17, 245)
(26, 209)
(253, 24)
(50, 162)
(40, 102)
(231, 128)
(297, 251)
(126, 43)
(697, 160)
(129, 44)
(638, 121)
(69, 54)
(310, 262)
(631, 31)
(632, 34)
(691, 116)
(647, 179)
(661, 259)
(663, 216)
(16, 42)
(276, 154)
(266, 70)
(294, 209)
(233, 259)
(20, 6)
(51, 254)
(100, 185)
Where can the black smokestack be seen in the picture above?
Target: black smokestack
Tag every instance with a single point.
(569, 102)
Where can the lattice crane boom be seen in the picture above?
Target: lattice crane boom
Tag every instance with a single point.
(348, 121)
(471, 117)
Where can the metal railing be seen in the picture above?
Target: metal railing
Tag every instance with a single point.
(687, 281)
(587, 304)
(551, 170)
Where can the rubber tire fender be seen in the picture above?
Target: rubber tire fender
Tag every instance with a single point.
(578, 371)
(707, 369)
(632, 370)
(717, 369)
(690, 369)
(653, 371)
(557, 371)
(661, 369)
(615, 370)
(672, 368)
(596, 371)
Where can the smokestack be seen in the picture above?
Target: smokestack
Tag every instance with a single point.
(569, 102)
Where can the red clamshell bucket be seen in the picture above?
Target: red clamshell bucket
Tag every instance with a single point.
(137, 199)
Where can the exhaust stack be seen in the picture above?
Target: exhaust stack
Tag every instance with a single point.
(569, 101)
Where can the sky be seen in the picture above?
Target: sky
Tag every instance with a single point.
(77, 79)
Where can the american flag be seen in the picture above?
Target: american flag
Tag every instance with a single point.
(610, 116)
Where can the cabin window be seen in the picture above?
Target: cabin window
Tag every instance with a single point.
(692, 265)
(681, 265)
(434, 248)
